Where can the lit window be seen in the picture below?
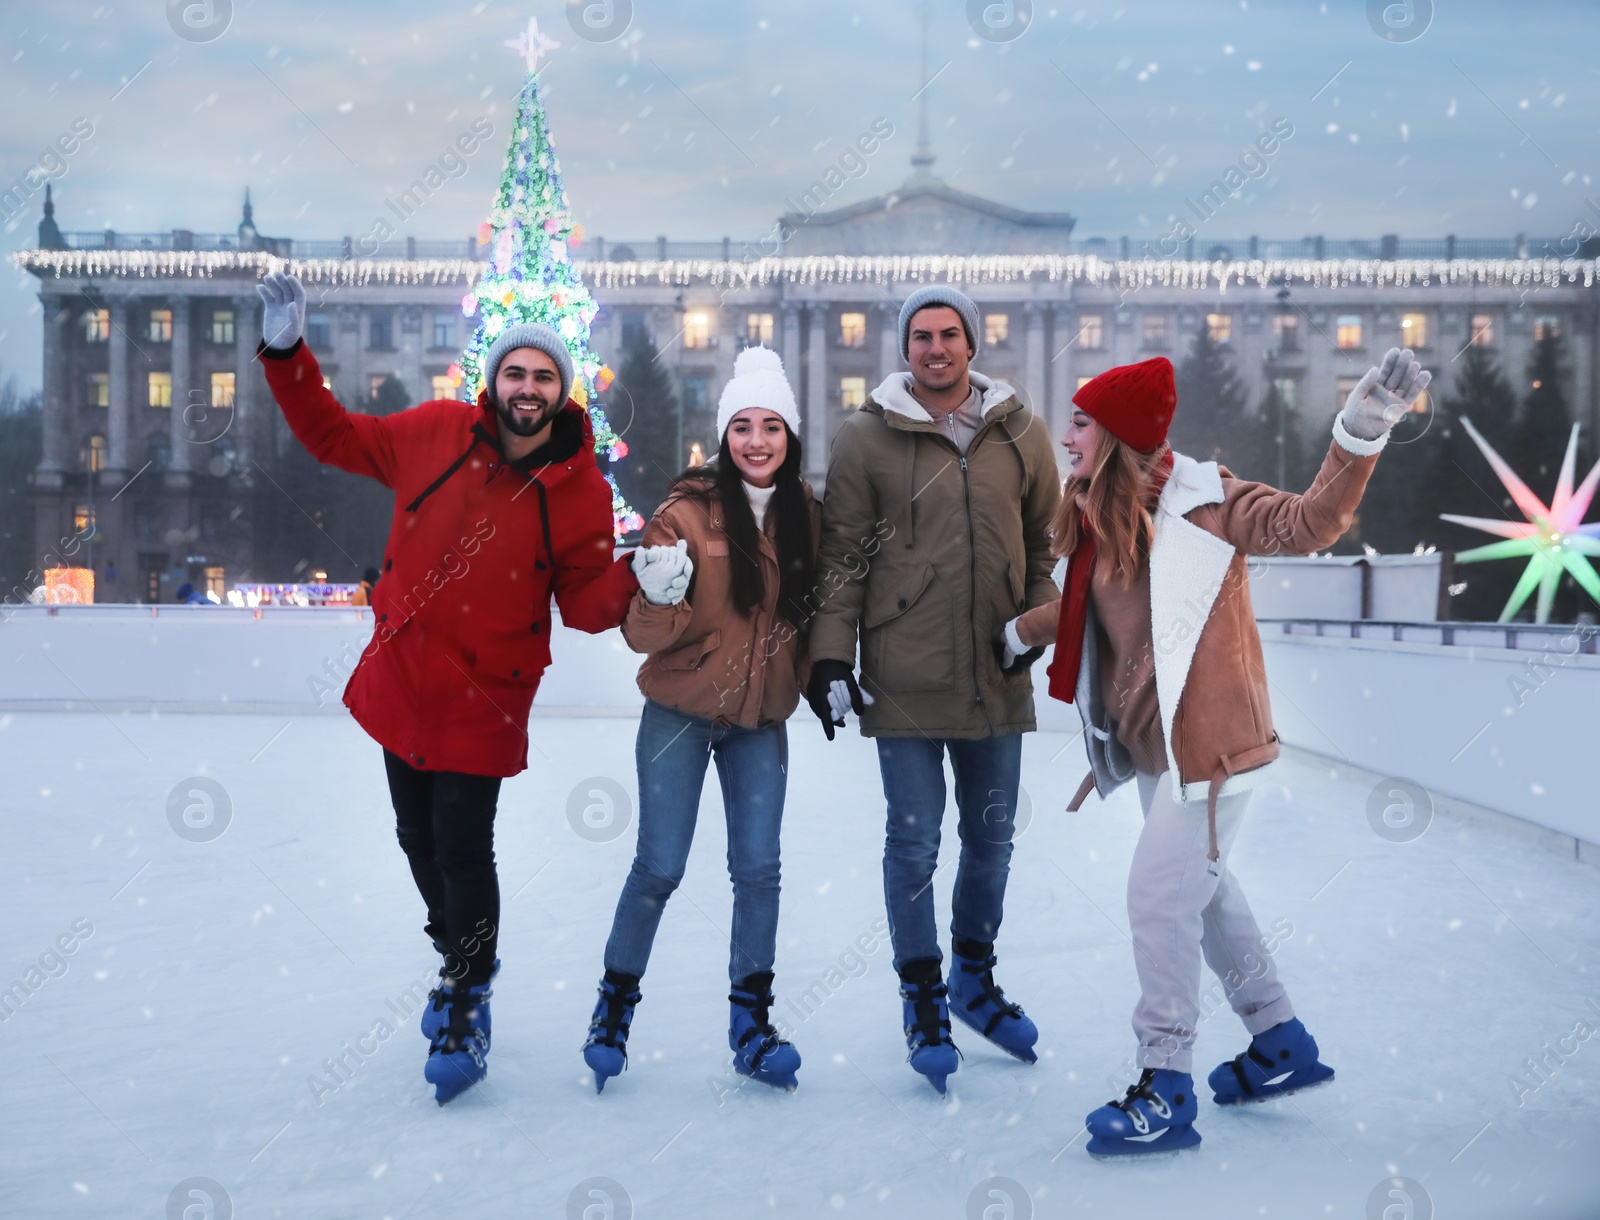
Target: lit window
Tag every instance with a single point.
(160, 326)
(319, 334)
(160, 390)
(222, 389)
(1347, 330)
(443, 387)
(852, 392)
(380, 331)
(99, 389)
(1154, 332)
(444, 330)
(375, 383)
(97, 325)
(1546, 326)
(222, 326)
(1342, 391)
(1422, 405)
(996, 329)
(94, 458)
(82, 519)
(697, 330)
(758, 329)
(1220, 327)
(215, 584)
(1091, 332)
(1414, 329)
(853, 329)
(1286, 331)
(1482, 330)
(1083, 381)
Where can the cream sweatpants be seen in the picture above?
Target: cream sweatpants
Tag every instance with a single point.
(1179, 909)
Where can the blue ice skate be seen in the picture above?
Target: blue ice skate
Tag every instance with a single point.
(758, 1052)
(458, 1056)
(1278, 1061)
(978, 1002)
(606, 1051)
(1156, 1115)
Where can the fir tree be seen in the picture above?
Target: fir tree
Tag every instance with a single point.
(530, 278)
(1211, 423)
(21, 444)
(643, 397)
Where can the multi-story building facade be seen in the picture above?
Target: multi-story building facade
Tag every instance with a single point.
(157, 418)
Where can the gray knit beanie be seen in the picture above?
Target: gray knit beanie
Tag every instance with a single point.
(539, 337)
(938, 294)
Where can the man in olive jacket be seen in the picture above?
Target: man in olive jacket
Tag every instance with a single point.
(936, 522)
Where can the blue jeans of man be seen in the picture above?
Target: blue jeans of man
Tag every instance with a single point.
(672, 752)
(987, 771)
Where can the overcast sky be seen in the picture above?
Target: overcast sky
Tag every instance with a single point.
(702, 118)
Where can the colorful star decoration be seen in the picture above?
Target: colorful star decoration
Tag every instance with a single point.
(1553, 537)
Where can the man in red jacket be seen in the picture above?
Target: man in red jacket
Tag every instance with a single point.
(499, 505)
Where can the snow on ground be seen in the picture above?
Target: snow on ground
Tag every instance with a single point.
(217, 976)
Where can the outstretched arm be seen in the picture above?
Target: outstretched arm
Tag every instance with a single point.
(1262, 520)
(591, 588)
(361, 444)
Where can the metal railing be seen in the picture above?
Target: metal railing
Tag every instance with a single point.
(1563, 638)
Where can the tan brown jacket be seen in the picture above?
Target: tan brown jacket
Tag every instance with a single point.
(927, 553)
(1211, 680)
(705, 658)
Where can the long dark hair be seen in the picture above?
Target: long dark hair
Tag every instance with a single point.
(719, 480)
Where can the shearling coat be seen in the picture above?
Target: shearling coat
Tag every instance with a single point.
(704, 657)
(927, 552)
(1211, 680)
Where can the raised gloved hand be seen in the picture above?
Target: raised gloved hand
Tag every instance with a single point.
(283, 318)
(1384, 395)
(663, 572)
(1014, 656)
(833, 694)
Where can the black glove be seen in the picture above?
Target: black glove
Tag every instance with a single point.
(823, 675)
(1020, 662)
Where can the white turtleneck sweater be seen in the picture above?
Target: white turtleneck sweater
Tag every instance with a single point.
(759, 498)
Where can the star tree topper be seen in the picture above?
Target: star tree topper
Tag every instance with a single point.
(531, 44)
(1553, 536)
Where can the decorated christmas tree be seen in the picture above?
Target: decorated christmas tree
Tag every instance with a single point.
(530, 277)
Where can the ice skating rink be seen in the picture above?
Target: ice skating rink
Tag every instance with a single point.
(212, 978)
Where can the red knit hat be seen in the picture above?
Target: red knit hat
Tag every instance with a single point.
(1133, 402)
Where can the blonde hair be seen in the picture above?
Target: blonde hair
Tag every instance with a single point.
(1115, 503)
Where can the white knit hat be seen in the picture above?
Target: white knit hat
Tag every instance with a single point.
(758, 381)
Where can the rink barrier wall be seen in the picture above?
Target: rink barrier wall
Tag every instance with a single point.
(1488, 718)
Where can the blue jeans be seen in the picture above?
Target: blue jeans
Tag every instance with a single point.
(987, 771)
(672, 751)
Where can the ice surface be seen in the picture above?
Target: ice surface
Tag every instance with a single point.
(219, 975)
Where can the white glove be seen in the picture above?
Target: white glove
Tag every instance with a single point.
(663, 572)
(283, 320)
(839, 699)
(1013, 644)
(1384, 395)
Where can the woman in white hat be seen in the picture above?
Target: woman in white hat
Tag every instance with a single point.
(724, 670)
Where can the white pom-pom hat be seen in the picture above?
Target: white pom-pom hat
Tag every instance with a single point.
(758, 381)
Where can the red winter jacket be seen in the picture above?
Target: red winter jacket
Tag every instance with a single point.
(476, 549)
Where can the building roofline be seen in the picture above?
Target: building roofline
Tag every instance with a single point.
(933, 189)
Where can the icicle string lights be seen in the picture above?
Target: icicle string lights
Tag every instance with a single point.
(841, 269)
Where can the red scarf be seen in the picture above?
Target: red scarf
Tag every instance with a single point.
(1063, 670)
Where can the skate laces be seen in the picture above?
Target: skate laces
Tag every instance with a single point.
(1143, 1092)
(759, 1003)
(927, 1022)
(989, 992)
(606, 1028)
(462, 1032)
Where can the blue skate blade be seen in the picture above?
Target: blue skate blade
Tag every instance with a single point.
(1173, 1139)
(1302, 1078)
(1026, 1053)
(450, 1079)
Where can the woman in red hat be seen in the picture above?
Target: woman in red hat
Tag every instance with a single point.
(1156, 643)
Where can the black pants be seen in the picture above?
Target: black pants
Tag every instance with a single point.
(445, 823)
